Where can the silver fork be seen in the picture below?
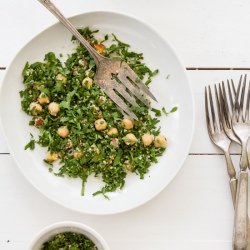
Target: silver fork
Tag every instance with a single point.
(241, 128)
(106, 68)
(218, 135)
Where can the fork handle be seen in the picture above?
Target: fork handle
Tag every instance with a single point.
(240, 219)
(233, 188)
(232, 175)
(55, 11)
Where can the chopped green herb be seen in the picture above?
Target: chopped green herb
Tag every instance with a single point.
(30, 145)
(69, 240)
(174, 109)
(156, 111)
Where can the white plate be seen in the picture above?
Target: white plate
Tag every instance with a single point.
(170, 91)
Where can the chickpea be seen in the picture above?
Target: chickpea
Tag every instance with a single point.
(113, 132)
(160, 141)
(54, 108)
(147, 139)
(35, 108)
(127, 123)
(87, 82)
(43, 99)
(52, 157)
(62, 78)
(63, 131)
(102, 99)
(100, 124)
(78, 154)
(130, 139)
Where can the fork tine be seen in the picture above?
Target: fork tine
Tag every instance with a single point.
(218, 102)
(209, 108)
(133, 90)
(212, 110)
(121, 90)
(134, 77)
(236, 108)
(207, 113)
(231, 92)
(226, 117)
(120, 103)
(233, 96)
(232, 99)
(227, 109)
(242, 97)
(247, 103)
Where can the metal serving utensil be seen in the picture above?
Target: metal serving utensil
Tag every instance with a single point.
(227, 100)
(217, 134)
(129, 83)
(241, 128)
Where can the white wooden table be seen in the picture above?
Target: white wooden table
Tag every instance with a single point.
(195, 211)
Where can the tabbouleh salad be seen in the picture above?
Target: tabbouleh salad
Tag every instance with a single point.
(69, 240)
(80, 126)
